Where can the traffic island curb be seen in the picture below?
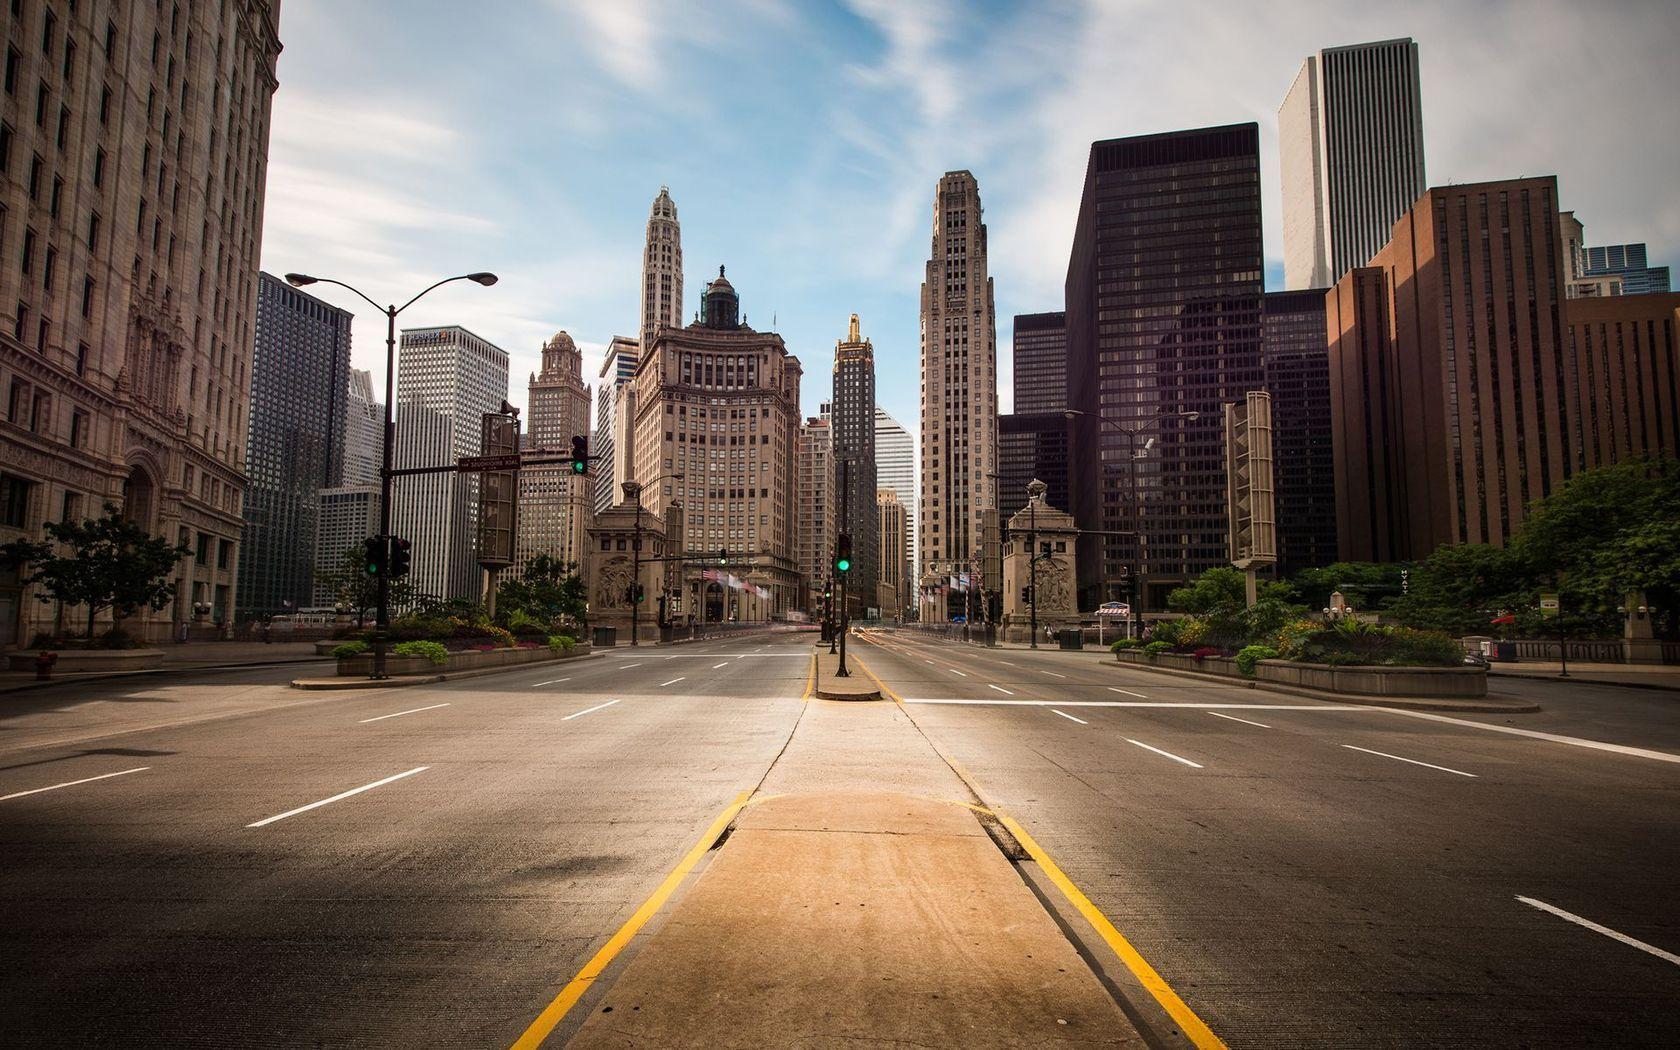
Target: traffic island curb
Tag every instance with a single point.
(1403, 703)
(827, 684)
(365, 683)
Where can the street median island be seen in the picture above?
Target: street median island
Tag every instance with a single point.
(858, 685)
(416, 670)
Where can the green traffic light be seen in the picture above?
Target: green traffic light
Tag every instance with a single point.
(579, 466)
(844, 565)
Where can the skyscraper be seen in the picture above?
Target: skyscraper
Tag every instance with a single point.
(959, 385)
(553, 501)
(1627, 261)
(125, 373)
(895, 469)
(1296, 365)
(1163, 328)
(300, 380)
(364, 432)
(611, 445)
(814, 473)
(447, 379)
(853, 423)
(893, 532)
(1350, 142)
(1040, 374)
(662, 277)
(718, 402)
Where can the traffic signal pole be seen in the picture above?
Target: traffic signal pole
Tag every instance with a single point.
(843, 561)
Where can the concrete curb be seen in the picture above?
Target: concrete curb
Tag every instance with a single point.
(1574, 680)
(826, 694)
(1399, 702)
(352, 682)
(99, 676)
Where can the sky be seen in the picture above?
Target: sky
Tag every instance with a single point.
(802, 141)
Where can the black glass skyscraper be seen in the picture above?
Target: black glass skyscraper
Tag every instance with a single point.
(1297, 369)
(1164, 293)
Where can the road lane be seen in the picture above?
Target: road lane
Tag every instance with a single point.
(1299, 893)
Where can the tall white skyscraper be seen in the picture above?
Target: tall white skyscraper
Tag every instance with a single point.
(364, 432)
(1350, 139)
(959, 385)
(895, 468)
(662, 278)
(447, 378)
(613, 413)
(554, 501)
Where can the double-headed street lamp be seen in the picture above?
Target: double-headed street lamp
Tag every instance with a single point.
(382, 620)
(1132, 457)
(633, 492)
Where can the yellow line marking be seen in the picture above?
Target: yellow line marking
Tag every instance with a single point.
(1194, 1027)
(884, 687)
(811, 682)
(574, 990)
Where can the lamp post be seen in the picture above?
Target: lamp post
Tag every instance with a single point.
(633, 491)
(382, 620)
(1032, 565)
(1132, 456)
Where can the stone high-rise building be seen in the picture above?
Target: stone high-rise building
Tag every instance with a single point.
(300, 382)
(1350, 142)
(662, 276)
(814, 493)
(1482, 389)
(1040, 373)
(554, 502)
(892, 528)
(133, 156)
(611, 444)
(853, 423)
(959, 385)
(1163, 320)
(364, 432)
(447, 379)
(718, 402)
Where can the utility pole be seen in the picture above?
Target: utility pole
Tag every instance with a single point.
(1032, 568)
(844, 573)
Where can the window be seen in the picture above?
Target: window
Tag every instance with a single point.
(47, 271)
(87, 297)
(16, 400)
(14, 501)
(104, 106)
(81, 358)
(13, 61)
(28, 251)
(93, 230)
(99, 169)
(72, 509)
(40, 411)
(224, 554)
(78, 429)
(110, 40)
(35, 167)
(5, 147)
(57, 197)
(202, 556)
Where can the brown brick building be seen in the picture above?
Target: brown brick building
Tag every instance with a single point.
(1464, 385)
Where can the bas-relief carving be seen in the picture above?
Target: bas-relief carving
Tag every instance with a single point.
(612, 583)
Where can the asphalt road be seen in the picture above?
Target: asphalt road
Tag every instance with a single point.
(441, 908)
(1308, 876)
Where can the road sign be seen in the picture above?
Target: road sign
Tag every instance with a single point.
(1548, 605)
(1120, 609)
(506, 461)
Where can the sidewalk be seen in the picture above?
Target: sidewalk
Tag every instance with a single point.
(1639, 676)
(184, 656)
(858, 901)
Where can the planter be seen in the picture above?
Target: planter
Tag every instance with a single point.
(77, 661)
(1446, 682)
(463, 660)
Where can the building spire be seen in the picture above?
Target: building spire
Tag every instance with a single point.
(852, 335)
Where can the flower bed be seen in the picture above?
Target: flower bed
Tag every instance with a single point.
(459, 660)
(77, 661)
(1379, 680)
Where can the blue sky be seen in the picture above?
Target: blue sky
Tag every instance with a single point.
(802, 141)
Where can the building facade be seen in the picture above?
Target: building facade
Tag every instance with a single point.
(959, 386)
(364, 432)
(1033, 446)
(814, 492)
(300, 385)
(1296, 365)
(1163, 328)
(1350, 142)
(852, 421)
(1464, 385)
(1040, 375)
(131, 200)
(895, 468)
(1629, 263)
(718, 403)
(348, 515)
(610, 444)
(447, 379)
(892, 530)
(662, 275)
(554, 502)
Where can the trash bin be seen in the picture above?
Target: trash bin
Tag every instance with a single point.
(1504, 652)
(1072, 638)
(603, 637)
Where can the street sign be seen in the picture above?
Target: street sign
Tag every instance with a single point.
(1120, 609)
(1548, 605)
(506, 461)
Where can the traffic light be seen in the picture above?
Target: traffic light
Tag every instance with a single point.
(723, 555)
(1026, 594)
(580, 454)
(374, 552)
(399, 556)
(640, 593)
(843, 553)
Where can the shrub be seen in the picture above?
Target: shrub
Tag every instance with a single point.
(349, 649)
(1124, 643)
(1204, 651)
(1185, 631)
(432, 651)
(1250, 655)
(562, 643)
(1157, 647)
(500, 638)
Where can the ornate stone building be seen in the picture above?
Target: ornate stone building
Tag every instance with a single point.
(959, 387)
(718, 403)
(1040, 570)
(814, 494)
(662, 276)
(554, 503)
(893, 530)
(853, 421)
(133, 157)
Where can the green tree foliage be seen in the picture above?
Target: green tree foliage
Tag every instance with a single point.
(354, 589)
(1459, 589)
(106, 563)
(547, 592)
(1366, 585)
(1219, 599)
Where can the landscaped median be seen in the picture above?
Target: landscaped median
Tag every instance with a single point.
(416, 662)
(1346, 679)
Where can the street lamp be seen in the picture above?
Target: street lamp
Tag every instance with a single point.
(382, 619)
(633, 491)
(1132, 456)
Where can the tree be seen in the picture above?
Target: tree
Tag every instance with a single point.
(1219, 596)
(109, 563)
(1460, 588)
(1593, 510)
(547, 590)
(356, 589)
(1366, 585)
